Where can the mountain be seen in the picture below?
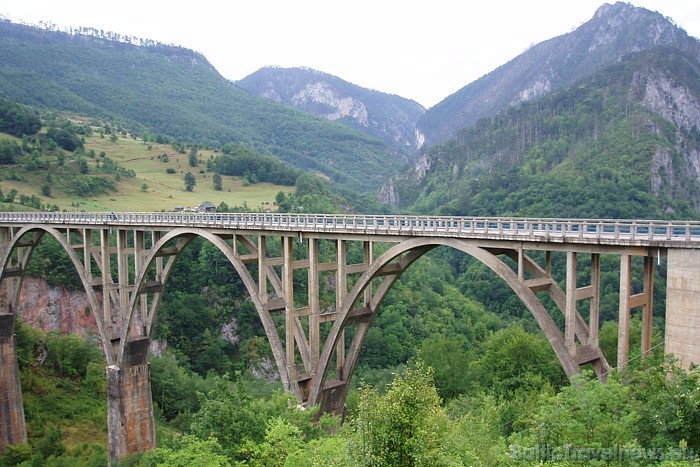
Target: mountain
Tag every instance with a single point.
(624, 143)
(385, 116)
(614, 32)
(169, 90)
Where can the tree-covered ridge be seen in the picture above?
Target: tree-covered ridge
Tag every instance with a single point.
(597, 149)
(175, 92)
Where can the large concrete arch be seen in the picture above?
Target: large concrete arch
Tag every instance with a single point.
(248, 281)
(412, 249)
(40, 231)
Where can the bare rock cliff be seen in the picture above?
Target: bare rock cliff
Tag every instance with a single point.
(55, 308)
(679, 175)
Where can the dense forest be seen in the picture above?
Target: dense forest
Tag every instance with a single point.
(511, 407)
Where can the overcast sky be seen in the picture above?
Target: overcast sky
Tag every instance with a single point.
(423, 51)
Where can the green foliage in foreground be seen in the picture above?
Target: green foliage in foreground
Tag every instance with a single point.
(408, 424)
(651, 409)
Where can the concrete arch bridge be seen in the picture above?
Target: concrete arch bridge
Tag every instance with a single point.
(124, 261)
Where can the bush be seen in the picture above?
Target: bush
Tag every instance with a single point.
(9, 152)
(27, 340)
(70, 355)
(16, 454)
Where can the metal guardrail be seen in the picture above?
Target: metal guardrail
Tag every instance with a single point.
(643, 232)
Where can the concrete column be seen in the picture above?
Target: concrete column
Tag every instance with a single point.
(683, 306)
(289, 312)
(623, 330)
(594, 320)
(369, 257)
(570, 311)
(12, 427)
(130, 422)
(314, 305)
(262, 268)
(648, 306)
(341, 291)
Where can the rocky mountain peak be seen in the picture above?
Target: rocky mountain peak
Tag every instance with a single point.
(387, 117)
(614, 31)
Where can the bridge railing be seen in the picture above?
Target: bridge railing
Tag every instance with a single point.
(479, 227)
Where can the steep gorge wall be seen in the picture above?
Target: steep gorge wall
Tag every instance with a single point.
(55, 308)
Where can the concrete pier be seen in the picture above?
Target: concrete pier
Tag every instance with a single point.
(130, 421)
(12, 426)
(683, 306)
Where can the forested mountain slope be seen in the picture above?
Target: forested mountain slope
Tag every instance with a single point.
(388, 117)
(614, 32)
(623, 144)
(176, 92)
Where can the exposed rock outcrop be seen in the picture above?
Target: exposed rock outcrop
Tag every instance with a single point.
(56, 308)
(389, 194)
(385, 116)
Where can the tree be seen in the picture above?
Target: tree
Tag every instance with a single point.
(404, 427)
(217, 181)
(10, 198)
(65, 137)
(667, 399)
(174, 388)
(144, 187)
(450, 362)
(17, 120)
(192, 158)
(515, 359)
(236, 416)
(9, 152)
(281, 439)
(190, 181)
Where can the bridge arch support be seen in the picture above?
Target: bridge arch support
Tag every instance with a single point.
(389, 268)
(181, 237)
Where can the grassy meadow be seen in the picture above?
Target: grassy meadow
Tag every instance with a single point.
(153, 189)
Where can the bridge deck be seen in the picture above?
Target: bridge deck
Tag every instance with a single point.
(643, 233)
